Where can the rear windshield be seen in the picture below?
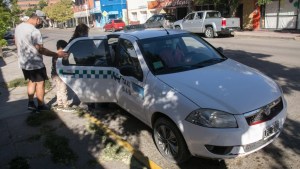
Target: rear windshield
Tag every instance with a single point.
(213, 15)
(118, 21)
(170, 18)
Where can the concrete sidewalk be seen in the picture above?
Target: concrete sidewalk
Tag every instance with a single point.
(292, 35)
(18, 139)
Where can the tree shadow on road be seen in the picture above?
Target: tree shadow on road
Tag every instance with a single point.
(286, 76)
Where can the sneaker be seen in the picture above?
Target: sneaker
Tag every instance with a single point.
(31, 106)
(43, 108)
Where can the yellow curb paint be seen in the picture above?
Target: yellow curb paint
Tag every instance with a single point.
(137, 154)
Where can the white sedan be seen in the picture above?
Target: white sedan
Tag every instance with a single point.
(197, 101)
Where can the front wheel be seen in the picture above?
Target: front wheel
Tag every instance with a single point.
(177, 27)
(209, 32)
(169, 141)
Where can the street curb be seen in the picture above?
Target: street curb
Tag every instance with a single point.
(136, 153)
(267, 37)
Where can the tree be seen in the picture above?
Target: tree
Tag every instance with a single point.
(263, 2)
(60, 12)
(42, 4)
(30, 10)
(4, 23)
(15, 12)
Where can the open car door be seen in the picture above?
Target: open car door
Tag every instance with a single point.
(88, 71)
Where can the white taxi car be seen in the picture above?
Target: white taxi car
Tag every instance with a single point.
(197, 101)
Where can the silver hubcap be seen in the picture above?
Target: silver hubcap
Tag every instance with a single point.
(167, 140)
(208, 33)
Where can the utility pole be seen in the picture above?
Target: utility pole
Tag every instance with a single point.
(189, 6)
(86, 11)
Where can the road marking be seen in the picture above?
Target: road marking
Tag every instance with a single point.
(137, 154)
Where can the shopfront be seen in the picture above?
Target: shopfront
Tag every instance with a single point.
(281, 14)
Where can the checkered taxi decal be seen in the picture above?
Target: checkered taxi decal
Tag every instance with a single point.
(89, 74)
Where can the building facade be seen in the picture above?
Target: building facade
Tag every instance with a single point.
(138, 11)
(113, 9)
(25, 4)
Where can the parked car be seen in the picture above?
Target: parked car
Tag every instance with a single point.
(208, 22)
(160, 20)
(197, 101)
(9, 35)
(114, 25)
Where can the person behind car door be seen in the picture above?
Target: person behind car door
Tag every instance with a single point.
(61, 87)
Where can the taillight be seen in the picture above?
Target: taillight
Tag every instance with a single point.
(223, 22)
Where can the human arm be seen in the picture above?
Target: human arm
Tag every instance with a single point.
(47, 52)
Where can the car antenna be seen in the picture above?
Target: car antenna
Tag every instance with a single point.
(165, 29)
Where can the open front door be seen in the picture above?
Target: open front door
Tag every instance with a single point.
(88, 70)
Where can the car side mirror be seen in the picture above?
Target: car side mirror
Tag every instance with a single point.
(127, 70)
(220, 49)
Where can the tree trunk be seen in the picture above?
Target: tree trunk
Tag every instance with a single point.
(1, 52)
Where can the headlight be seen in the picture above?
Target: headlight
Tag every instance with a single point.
(212, 118)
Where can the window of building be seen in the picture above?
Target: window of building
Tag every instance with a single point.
(134, 16)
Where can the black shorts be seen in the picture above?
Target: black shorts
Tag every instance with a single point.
(36, 75)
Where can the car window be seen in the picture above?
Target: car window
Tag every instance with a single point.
(158, 18)
(89, 52)
(213, 15)
(190, 16)
(118, 21)
(199, 15)
(151, 19)
(177, 53)
(127, 57)
(170, 18)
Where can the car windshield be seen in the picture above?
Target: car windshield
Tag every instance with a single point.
(176, 53)
(118, 21)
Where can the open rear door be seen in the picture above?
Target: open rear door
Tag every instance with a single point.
(88, 71)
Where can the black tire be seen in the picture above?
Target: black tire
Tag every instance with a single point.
(169, 141)
(178, 27)
(209, 32)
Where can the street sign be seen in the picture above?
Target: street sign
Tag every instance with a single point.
(104, 13)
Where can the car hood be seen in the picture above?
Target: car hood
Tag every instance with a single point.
(228, 86)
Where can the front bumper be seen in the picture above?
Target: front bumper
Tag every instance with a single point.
(231, 142)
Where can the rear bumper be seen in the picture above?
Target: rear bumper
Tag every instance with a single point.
(229, 31)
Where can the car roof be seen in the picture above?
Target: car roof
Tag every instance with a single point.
(151, 33)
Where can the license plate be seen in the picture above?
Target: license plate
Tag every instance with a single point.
(271, 130)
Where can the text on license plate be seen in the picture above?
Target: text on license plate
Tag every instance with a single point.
(274, 128)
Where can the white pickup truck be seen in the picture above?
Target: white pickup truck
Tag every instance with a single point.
(208, 22)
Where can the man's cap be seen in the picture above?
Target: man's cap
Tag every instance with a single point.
(38, 13)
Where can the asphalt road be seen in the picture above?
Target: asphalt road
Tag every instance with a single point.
(277, 58)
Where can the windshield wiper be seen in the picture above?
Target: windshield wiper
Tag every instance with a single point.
(172, 69)
(210, 62)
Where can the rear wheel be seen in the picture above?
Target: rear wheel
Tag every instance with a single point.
(209, 32)
(169, 141)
